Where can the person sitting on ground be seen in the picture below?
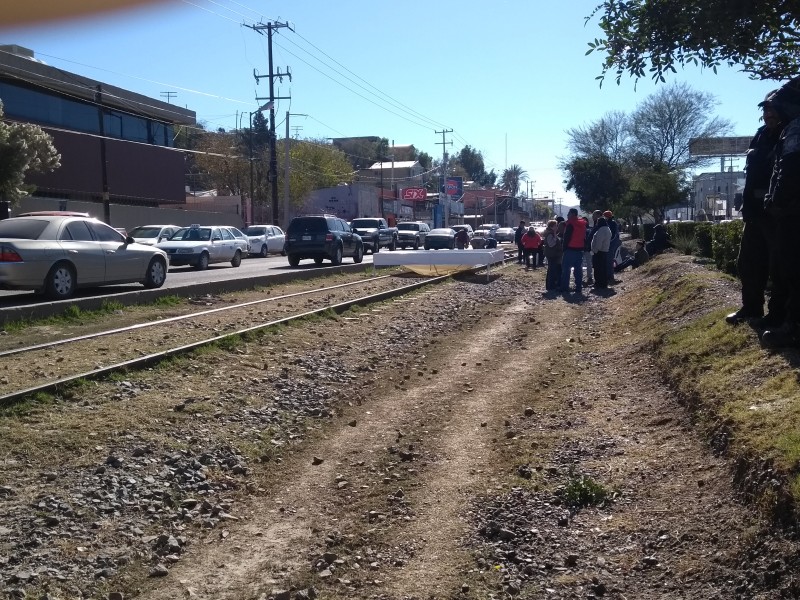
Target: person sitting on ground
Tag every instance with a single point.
(660, 241)
(531, 240)
(636, 260)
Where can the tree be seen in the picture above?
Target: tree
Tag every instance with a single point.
(24, 148)
(313, 164)
(224, 161)
(599, 182)
(653, 188)
(610, 136)
(653, 36)
(664, 124)
(512, 178)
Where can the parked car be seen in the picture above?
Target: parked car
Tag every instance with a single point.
(504, 234)
(265, 239)
(441, 238)
(412, 233)
(200, 246)
(56, 254)
(466, 226)
(322, 237)
(242, 239)
(152, 234)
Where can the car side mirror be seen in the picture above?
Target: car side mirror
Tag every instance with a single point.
(129, 240)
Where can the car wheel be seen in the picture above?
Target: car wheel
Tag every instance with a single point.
(264, 252)
(60, 282)
(318, 260)
(416, 244)
(156, 274)
(294, 260)
(452, 245)
(393, 245)
(427, 247)
(202, 262)
(376, 247)
(359, 254)
(237, 259)
(336, 259)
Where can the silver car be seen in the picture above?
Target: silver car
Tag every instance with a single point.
(56, 254)
(152, 234)
(200, 246)
(266, 239)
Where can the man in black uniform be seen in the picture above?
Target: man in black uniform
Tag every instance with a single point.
(782, 203)
(753, 262)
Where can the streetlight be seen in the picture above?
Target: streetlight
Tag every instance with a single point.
(262, 108)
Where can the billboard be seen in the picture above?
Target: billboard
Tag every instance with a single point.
(418, 194)
(454, 187)
(719, 146)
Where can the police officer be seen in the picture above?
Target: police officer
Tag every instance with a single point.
(753, 262)
(782, 203)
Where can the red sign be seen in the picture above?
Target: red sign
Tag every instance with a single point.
(415, 193)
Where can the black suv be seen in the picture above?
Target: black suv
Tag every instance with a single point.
(320, 237)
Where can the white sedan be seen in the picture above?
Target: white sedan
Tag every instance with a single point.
(200, 246)
(265, 239)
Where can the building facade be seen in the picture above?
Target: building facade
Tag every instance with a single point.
(115, 145)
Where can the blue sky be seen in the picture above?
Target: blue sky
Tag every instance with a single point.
(508, 77)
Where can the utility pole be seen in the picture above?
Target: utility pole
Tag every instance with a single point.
(273, 159)
(286, 170)
(443, 199)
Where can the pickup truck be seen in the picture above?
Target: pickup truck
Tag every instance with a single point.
(375, 233)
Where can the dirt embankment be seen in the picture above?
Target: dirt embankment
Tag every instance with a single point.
(491, 442)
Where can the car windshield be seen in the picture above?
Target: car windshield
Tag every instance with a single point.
(255, 230)
(442, 231)
(408, 227)
(364, 223)
(145, 232)
(22, 229)
(192, 234)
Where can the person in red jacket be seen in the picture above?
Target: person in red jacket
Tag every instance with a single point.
(530, 242)
(574, 235)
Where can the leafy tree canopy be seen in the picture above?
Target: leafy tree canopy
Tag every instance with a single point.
(598, 181)
(512, 179)
(314, 164)
(24, 148)
(652, 37)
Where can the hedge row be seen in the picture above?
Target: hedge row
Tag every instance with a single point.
(718, 241)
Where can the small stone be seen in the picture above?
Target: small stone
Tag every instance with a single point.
(317, 461)
(159, 571)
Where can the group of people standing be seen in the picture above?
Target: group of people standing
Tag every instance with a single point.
(569, 245)
(771, 212)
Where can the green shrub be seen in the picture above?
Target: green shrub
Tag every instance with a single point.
(725, 245)
(702, 234)
(582, 490)
(685, 243)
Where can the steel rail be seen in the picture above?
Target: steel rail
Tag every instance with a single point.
(53, 386)
(99, 334)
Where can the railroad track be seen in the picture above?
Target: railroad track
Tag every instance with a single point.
(52, 366)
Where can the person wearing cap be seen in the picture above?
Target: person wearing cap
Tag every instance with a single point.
(531, 240)
(574, 234)
(758, 243)
(614, 246)
(782, 203)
